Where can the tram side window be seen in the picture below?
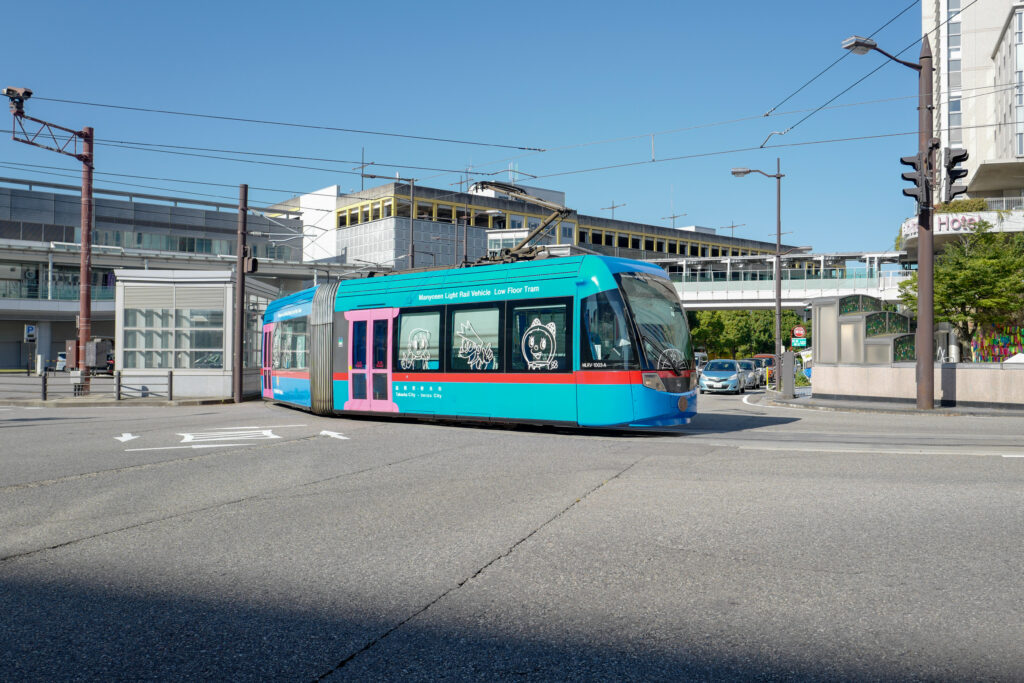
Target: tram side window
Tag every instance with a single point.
(291, 345)
(419, 341)
(475, 335)
(540, 338)
(606, 340)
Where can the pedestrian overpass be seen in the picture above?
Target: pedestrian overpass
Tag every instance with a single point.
(748, 282)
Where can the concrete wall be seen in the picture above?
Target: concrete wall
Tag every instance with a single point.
(962, 384)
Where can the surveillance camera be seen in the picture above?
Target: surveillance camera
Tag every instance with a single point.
(22, 93)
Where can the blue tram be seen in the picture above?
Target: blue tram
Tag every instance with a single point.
(588, 341)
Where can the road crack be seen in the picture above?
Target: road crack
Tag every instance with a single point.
(380, 638)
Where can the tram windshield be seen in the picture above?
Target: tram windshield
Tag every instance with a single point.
(660, 320)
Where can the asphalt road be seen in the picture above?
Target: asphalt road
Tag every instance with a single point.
(244, 543)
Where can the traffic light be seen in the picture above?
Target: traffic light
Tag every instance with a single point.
(922, 187)
(953, 158)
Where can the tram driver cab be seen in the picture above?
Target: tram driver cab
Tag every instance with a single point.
(609, 338)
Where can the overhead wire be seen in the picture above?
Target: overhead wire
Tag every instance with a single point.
(841, 58)
(289, 124)
(875, 70)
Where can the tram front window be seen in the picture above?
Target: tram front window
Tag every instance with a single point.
(660, 320)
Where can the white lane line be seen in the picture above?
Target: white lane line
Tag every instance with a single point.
(333, 435)
(169, 448)
(258, 427)
(1013, 456)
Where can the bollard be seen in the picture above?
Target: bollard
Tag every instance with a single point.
(44, 386)
(117, 385)
(170, 385)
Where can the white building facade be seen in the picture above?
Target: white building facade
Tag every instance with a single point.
(978, 84)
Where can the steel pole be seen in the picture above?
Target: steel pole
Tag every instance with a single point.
(412, 224)
(85, 263)
(924, 338)
(778, 273)
(236, 369)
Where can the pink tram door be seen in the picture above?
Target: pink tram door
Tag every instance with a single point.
(267, 388)
(370, 351)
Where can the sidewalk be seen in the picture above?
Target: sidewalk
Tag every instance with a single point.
(804, 399)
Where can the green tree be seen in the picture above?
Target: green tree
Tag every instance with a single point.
(979, 281)
(741, 333)
(707, 331)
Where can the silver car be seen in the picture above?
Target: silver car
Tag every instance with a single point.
(750, 374)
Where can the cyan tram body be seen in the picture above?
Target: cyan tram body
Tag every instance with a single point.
(588, 341)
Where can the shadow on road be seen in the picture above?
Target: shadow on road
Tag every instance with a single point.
(722, 423)
(55, 631)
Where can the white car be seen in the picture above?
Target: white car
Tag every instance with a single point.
(62, 361)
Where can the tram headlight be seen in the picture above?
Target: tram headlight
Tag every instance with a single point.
(653, 381)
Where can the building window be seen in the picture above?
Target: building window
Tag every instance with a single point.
(566, 232)
(515, 222)
(180, 338)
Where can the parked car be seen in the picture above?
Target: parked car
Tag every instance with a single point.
(62, 361)
(762, 370)
(769, 360)
(748, 368)
(722, 375)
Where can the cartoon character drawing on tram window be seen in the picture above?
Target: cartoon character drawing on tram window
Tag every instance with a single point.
(417, 348)
(539, 346)
(472, 348)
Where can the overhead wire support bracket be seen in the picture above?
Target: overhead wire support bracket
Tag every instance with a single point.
(62, 141)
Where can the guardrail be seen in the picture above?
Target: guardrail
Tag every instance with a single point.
(51, 385)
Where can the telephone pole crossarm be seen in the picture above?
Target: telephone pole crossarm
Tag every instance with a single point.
(61, 141)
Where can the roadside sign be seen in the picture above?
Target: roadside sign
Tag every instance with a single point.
(799, 331)
(30, 333)
(798, 341)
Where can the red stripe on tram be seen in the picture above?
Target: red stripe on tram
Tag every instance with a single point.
(579, 377)
(293, 374)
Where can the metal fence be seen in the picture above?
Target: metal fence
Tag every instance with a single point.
(54, 385)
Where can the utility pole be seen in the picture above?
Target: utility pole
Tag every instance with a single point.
(673, 217)
(612, 208)
(732, 229)
(924, 338)
(240, 267)
(65, 141)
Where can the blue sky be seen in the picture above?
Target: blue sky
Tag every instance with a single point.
(587, 81)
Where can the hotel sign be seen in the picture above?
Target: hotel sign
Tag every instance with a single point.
(944, 224)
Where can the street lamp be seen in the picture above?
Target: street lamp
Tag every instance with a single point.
(778, 175)
(924, 339)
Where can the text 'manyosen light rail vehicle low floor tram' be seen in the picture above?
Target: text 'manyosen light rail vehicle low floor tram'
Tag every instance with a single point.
(587, 341)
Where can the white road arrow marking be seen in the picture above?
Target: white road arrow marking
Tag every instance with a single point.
(333, 435)
(127, 436)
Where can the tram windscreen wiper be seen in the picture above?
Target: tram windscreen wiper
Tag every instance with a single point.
(663, 353)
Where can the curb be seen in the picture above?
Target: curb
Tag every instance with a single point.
(823, 405)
